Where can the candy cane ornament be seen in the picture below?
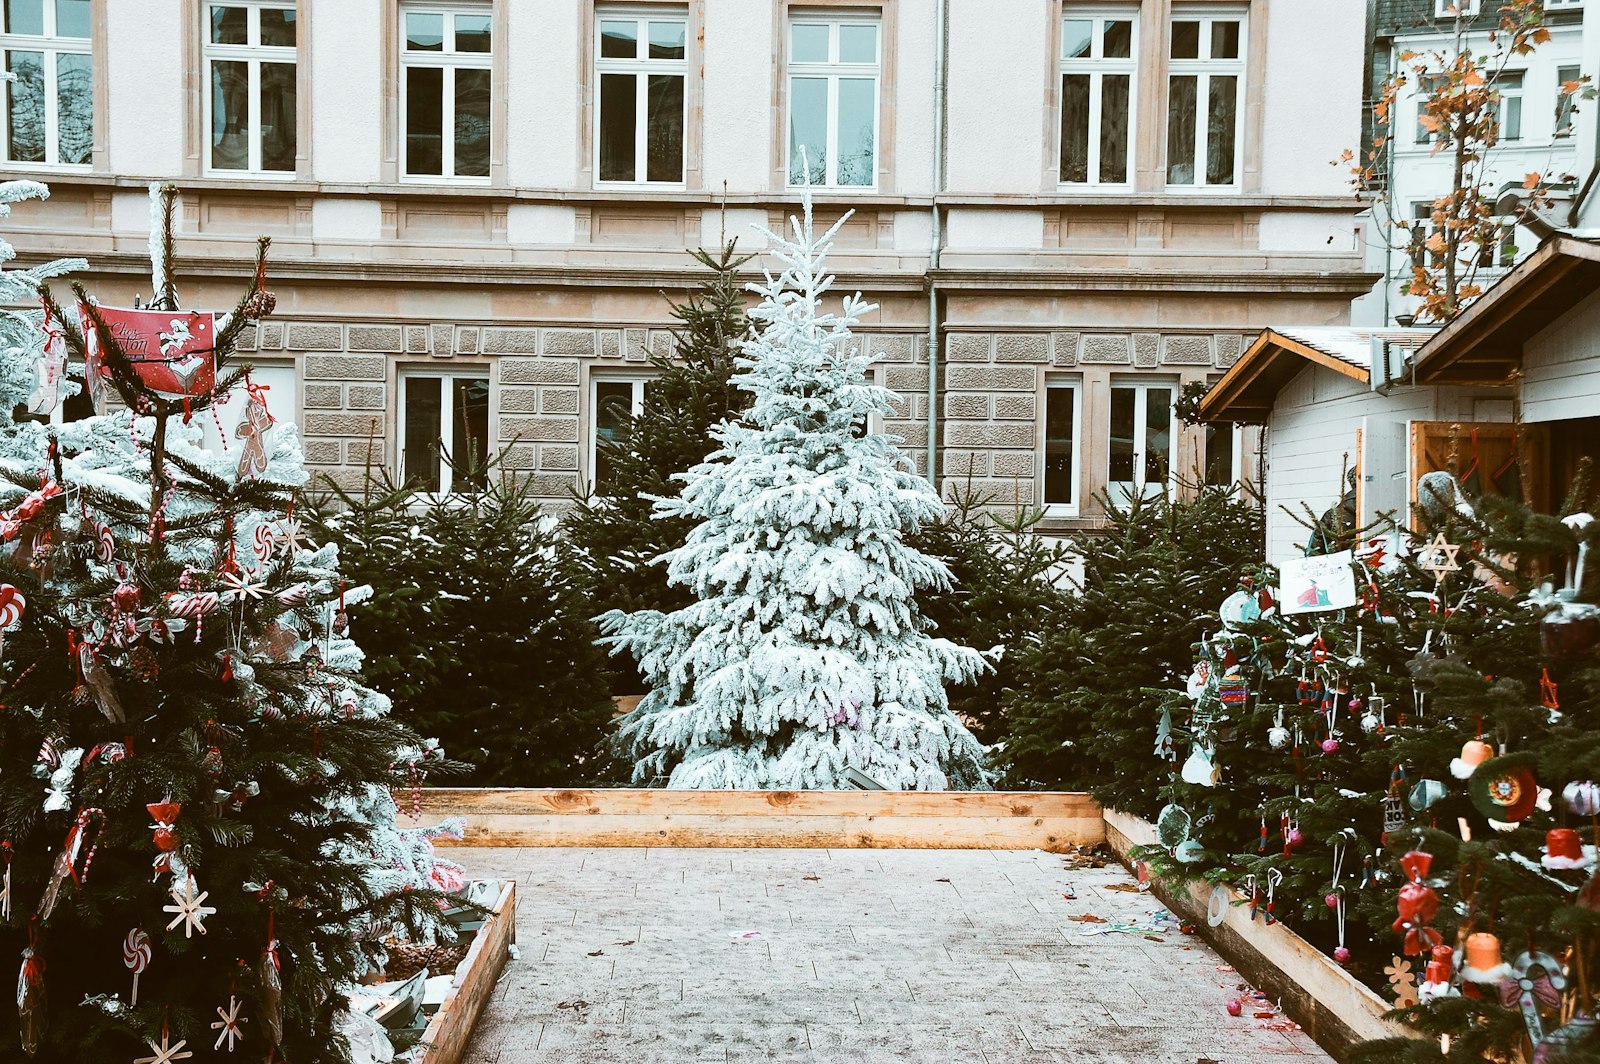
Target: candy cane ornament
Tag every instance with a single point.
(136, 957)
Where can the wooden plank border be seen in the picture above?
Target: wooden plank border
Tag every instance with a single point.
(1336, 1009)
(1007, 820)
(445, 1040)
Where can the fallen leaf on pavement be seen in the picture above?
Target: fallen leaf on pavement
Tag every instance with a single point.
(1087, 918)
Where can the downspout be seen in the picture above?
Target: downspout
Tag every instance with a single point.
(937, 240)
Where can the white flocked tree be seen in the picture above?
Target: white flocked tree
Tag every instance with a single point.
(804, 655)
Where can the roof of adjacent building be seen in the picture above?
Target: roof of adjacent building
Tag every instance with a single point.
(1247, 391)
(1393, 18)
(1484, 343)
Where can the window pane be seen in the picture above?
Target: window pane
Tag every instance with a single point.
(277, 116)
(469, 442)
(858, 118)
(472, 123)
(1114, 112)
(422, 432)
(666, 39)
(424, 31)
(1511, 123)
(25, 16)
(613, 401)
(1180, 131)
(1219, 454)
(72, 18)
(1075, 127)
(424, 120)
(472, 33)
(74, 107)
(1121, 471)
(1566, 102)
(1221, 122)
(858, 43)
(1186, 39)
(25, 107)
(229, 25)
(1076, 34)
(1157, 434)
(808, 43)
(1060, 465)
(619, 39)
(230, 102)
(1119, 39)
(664, 134)
(277, 27)
(808, 130)
(1225, 40)
(618, 117)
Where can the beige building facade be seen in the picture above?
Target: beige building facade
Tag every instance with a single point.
(1065, 211)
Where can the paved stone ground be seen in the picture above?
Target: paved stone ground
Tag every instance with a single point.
(640, 956)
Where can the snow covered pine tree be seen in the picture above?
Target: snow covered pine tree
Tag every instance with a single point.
(178, 690)
(804, 654)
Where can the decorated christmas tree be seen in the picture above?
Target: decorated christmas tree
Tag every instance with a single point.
(803, 655)
(200, 847)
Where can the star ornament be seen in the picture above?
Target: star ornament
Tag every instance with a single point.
(165, 1053)
(291, 537)
(242, 585)
(190, 908)
(228, 1023)
(1439, 558)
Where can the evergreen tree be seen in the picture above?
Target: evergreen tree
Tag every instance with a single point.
(1079, 717)
(478, 630)
(616, 533)
(803, 655)
(179, 690)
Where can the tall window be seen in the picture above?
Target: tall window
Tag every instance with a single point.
(642, 66)
(1205, 84)
(448, 411)
(250, 71)
(1222, 455)
(1427, 86)
(833, 102)
(1566, 102)
(50, 95)
(1061, 421)
(614, 402)
(1098, 65)
(1508, 105)
(444, 84)
(1142, 439)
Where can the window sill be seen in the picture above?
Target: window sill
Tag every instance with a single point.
(51, 168)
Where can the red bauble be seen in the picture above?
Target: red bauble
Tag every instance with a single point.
(126, 596)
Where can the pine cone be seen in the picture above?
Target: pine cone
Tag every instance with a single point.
(259, 305)
(144, 664)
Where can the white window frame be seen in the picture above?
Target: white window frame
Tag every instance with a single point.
(449, 60)
(1236, 471)
(1565, 104)
(403, 376)
(252, 53)
(638, 379)
(1515, 90)
(1096, 66)
(1203, 70)
(1141, 418)
(1072, 507)
(50, 46)
(833, 71)
(1469, 8)
(641, 69)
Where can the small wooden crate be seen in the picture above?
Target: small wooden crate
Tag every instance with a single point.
(448, 1032)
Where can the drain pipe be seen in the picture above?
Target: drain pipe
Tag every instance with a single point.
(936, 241)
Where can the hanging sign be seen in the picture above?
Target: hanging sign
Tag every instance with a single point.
(172, 351)
(1317, 585)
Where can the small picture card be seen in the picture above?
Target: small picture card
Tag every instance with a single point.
(1316, 585)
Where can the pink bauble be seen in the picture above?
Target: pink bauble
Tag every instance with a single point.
(1330, 746)
(1331, 901)
(1341, 954)
(1235, 1007)
(1293, 840)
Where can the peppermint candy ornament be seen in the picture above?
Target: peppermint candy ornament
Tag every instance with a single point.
(136, 958)
(265, 542)
(105, 544)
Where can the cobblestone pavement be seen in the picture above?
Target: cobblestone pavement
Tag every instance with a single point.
(645, 955)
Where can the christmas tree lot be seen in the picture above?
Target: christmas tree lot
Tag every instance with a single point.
(1392, 747)
(803, 657)
(199, 841)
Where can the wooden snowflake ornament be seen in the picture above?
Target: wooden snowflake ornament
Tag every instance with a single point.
(228, 1023)
(189, 907)
(165, 1053)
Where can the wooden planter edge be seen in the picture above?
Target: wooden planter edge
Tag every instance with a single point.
(445, 1040)
(1334, 1007)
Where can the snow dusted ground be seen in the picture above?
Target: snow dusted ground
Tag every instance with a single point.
(645, 955)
